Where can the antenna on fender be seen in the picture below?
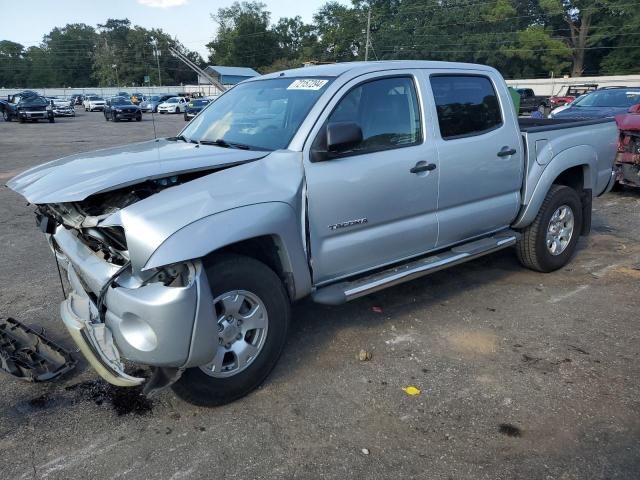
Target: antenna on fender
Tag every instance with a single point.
(153, 117)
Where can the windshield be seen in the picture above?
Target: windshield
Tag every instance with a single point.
(173, 100)
(198, 103)
(32, 100)
(155, 98)
(610, 98)
(262, 114)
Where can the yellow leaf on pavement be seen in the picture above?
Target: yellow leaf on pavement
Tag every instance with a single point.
(411, 390)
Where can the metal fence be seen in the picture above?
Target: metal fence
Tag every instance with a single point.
(206, 90)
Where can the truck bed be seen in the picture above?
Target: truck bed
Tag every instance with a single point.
(532, 125)
(546, 139)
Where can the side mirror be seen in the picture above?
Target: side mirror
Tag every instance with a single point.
(343, 136)
(634, 108)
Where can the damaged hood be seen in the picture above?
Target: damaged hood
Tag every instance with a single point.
(74, 178)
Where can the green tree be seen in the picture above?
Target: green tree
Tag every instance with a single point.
(14, 64)
(70, 52)
(126, 54)
(243, 36)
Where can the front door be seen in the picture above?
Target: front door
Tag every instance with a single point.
(376, 203)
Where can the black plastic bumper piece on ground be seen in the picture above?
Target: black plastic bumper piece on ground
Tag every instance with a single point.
(28, 355)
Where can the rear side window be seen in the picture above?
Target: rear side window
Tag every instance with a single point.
(467, 105)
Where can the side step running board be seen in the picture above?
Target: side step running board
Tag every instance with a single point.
(345, 291)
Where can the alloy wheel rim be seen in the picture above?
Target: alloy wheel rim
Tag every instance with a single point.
(242, 330)
(560, 230)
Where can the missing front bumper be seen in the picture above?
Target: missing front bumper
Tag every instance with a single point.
(95, 341)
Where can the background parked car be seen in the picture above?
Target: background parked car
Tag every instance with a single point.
(121, 108)
(573, 92)
(27, 105)
(150, 104)
(604, 103)
(530, 102)
(93, 103)
(62, 107)
(173, 105)
(137, 98)
(628, 156)
(194, 106)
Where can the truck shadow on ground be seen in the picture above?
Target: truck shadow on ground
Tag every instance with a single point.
(319, 325)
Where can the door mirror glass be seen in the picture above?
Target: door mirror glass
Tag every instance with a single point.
(343, 136)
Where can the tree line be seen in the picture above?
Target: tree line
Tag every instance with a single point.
(521, 38)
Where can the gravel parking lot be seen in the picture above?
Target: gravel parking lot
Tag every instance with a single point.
(522, 375)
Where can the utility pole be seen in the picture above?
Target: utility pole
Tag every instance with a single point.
(157, 52)
(115, 67)
(366, 48)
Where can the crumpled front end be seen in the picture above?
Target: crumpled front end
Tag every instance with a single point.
(628, 157)
(114, 316)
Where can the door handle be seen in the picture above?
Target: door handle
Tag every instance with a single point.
(423, 166)
(506, 151)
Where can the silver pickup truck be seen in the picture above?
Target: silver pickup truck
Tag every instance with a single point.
(335, 181)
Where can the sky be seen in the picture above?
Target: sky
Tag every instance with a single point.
(188, 20)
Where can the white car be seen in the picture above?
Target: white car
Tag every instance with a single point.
(173, 105)
(93, 103)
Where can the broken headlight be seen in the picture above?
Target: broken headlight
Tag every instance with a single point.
(175, 275)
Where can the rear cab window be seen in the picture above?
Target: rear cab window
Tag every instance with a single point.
(466, 105)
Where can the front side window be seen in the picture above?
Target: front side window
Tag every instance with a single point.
(467, 105)
(386, 111)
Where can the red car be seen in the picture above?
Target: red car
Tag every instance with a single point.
(628, 156)
(573, 92)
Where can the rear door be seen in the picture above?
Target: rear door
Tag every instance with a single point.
(480, 153)
(367, 208)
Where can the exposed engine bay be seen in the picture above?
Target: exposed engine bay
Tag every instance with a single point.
(84, 217)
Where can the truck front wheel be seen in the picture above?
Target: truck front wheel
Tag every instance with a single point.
(6, 116)
(252, 312)
(549, 242)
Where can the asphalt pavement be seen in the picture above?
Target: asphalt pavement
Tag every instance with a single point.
(521, 375)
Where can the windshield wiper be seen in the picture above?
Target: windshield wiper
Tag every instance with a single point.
(224, 144)
(181, 137)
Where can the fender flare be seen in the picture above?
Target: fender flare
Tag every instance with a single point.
(579, 156)
(211, 233)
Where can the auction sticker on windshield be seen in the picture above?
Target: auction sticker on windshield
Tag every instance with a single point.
(307, 84)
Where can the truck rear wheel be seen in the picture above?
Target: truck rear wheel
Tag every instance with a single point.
(252, 311)
(549, 242)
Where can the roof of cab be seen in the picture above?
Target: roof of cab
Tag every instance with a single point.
(359, 68)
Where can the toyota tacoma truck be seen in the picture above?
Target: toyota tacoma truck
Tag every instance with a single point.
(334, 181)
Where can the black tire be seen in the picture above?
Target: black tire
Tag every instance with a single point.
(114, 118)
(106, 117)
(236, 272)
(186, 119)
(20, 120)
(139, 118)
(532, 248)
(6, 116)
(52, 120)
(177, 109)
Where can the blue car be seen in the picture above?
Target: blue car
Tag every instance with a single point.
(603, 103)
(194, 107)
